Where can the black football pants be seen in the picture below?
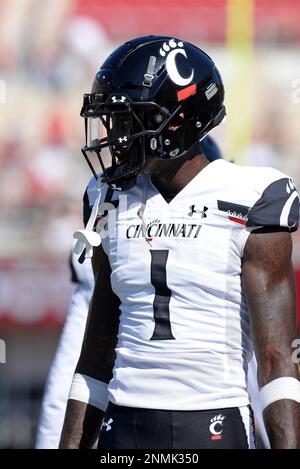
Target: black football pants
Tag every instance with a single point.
(134, 428)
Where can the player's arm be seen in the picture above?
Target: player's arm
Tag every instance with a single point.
(268, 283)
(83, 420)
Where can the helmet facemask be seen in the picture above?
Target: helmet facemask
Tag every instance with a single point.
(126, 127)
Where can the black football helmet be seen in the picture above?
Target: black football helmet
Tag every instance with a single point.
(154, 95)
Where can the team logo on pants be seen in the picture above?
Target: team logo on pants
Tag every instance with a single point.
(215, 427)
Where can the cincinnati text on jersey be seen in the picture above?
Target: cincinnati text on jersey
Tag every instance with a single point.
(164, 230)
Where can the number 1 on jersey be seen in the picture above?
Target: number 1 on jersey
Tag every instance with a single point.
(162, 329)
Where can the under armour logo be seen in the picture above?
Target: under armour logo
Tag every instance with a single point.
(118, 99)
(193, 210)
(106, 424)
(122, 139)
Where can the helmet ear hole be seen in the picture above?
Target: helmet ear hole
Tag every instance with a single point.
(176, 122)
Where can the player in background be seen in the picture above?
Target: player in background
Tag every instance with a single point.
(62, 369)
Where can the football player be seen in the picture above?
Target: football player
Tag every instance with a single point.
(66, 357)
(193, 255)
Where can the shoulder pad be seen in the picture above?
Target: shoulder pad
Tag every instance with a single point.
(278, 206)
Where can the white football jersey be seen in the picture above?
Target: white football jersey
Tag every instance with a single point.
(184, 340)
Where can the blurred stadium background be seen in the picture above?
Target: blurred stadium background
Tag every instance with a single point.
(49, 53)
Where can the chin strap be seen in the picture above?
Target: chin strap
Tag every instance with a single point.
(141, 210)
(88, 239)
(148, 77)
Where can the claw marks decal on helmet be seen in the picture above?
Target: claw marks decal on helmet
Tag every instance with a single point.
(171, 50)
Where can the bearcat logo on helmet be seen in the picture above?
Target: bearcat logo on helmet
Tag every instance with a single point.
(154, 96)
(177, 48)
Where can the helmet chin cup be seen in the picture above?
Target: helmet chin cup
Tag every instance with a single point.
(154, 95)
(87, 240)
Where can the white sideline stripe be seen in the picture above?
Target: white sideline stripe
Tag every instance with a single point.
(248, 424)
